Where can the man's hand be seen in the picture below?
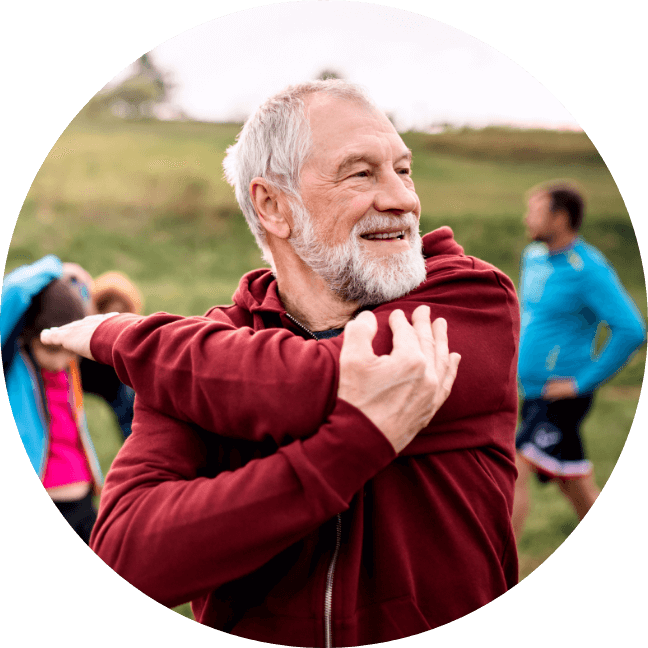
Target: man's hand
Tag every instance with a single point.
(402, 391)
(559, 389)
(75, 336)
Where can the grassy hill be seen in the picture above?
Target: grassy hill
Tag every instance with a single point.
(148, 198)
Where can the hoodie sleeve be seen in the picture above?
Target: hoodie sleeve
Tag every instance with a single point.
(177, 532)
(608, 299)
(241, 383)
(233, 381)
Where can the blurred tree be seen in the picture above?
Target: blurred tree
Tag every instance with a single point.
(329, 74)
(136, 97)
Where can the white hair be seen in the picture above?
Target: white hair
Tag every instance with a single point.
(275, 142)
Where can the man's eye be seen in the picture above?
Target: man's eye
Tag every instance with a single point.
(361, 174)
(404, 171)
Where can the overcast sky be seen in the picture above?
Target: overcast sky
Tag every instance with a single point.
(421, 71)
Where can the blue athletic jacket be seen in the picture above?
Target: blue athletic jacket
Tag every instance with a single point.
(24, 386)
(564, 297)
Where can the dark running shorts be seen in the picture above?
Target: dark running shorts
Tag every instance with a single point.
(549, 437)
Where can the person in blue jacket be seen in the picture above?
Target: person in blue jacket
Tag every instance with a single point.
(568, 291)
(44, 385)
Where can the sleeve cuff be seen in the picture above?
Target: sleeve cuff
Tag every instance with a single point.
(106, 334)
(348, 451)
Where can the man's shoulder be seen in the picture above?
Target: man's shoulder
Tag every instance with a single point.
(442, 252)
(468, 276)
(535, 252)
(590, 255)
(230, 314)
(441, 242)
(589, 263)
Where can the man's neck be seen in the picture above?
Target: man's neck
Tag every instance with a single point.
(316, 310)
(303, 292)
(308, 300)
(562, 241)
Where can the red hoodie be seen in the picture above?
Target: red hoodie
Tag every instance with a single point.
(282, 512)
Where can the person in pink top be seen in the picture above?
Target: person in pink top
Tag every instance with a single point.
(66, 466)
(47, 402)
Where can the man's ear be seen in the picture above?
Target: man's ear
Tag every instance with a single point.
(272, 207)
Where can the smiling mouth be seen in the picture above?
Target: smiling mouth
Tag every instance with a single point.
(384, 236)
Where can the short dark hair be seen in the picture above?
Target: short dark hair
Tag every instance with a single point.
(566, 197)
(57, 304)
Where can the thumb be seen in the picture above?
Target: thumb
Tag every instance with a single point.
(359, 334)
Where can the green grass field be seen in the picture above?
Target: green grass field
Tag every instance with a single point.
(148, 199)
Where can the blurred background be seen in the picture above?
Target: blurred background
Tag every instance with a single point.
(135, 182)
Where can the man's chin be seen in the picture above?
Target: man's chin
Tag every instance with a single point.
(383, 278)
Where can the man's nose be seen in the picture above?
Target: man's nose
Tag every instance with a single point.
(393, 195)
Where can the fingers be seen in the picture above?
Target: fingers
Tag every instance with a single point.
(433, 340)
(423, 328)
(50, 337)
(75, 336)
(422, 341)
(430, 338)
(405, 339)
(453, 366)
(358, 336)
(441, 351)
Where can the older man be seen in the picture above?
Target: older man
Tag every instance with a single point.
(286, 480)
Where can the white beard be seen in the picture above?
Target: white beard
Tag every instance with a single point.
(352, 273)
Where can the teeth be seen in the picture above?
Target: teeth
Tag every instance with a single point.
(390, 235)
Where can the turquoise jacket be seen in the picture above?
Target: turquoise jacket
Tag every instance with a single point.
(24, 385)
(565, 296)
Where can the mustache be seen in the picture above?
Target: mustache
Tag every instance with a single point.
(378, 222)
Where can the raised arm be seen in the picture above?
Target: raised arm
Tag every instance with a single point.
(232, 381)
(268, 369)
(235, 382)
(238, 382)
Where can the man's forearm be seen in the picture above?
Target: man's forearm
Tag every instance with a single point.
(608, 299)
(232, 381)
(619, 349)
(156, 500)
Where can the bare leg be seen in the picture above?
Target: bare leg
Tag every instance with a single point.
(581, 493)
(521, 500)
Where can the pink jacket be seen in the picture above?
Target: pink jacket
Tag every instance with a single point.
(281, 512)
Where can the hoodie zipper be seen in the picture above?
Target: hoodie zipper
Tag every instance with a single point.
(328, 593)
(330, 574)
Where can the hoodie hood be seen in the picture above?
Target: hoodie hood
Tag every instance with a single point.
(257, 291)
(19, 288)
(440, 242)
